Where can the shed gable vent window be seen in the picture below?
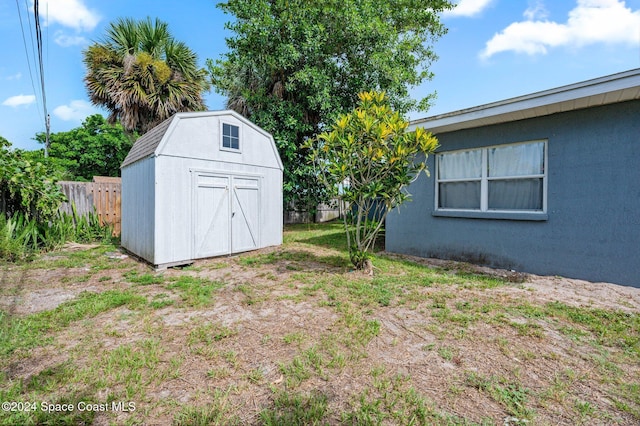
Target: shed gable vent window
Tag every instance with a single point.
(230, 136)
(505, 178)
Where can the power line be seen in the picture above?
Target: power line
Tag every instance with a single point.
(34, 57)
(26, 52)
(36, 15)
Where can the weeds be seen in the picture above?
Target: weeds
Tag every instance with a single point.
(21, 237)
(392, 400)
(396, 348)
(296, 409)
(144, 279)
(217, 412)
(511, 395)
(196, 291)
(26, 332)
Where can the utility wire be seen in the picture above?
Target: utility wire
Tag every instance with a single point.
(34, 57)
(36, 15)
(26, 52)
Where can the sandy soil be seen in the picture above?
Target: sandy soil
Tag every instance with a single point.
(410, 342)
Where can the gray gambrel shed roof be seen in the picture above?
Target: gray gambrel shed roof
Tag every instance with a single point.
(147, 144)
(620, 87)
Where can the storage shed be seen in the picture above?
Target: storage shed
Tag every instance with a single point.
(547, 183)
(199, 185)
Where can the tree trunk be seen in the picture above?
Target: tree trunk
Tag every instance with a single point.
(368, 267)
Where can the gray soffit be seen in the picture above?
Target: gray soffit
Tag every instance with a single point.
(624, 86)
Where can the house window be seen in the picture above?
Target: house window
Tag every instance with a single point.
(504, 178)
(230, 136)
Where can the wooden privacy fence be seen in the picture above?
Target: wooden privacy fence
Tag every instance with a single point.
(324, 213)
(103, 195)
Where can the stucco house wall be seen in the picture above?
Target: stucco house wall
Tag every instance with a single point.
(591, 228)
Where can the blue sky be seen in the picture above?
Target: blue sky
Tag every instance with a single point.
(495, 49)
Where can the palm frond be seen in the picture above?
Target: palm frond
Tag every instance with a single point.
(142, 75)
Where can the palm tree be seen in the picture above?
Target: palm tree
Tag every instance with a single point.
(142, 75)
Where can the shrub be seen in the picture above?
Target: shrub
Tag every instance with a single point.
(28, 186)
(21, 237)
(29, 200)
(367, 160)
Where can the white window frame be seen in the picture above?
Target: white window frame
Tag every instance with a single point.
(484, 211)
(229, 149)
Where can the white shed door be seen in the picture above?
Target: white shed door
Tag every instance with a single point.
(226, 215)
(212, 216)
(245, 215)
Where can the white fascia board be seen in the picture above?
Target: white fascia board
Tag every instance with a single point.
(600, 91)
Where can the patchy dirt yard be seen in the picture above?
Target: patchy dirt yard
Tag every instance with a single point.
(290, 335)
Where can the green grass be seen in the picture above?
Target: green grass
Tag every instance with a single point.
(49, 379)
(295, 259)
(131, 366)
(291, 338)
(393, 400)
(18, 333)
(143, 279)
(627, 398)
(585, 409)
(215, 413)
(95, 257)
(446, 353)
(608, 327)
(329, 235)
(612, 328)
(514, 398)
(511, 395)
(251, 296)
(296, 409)
(195, 292)
(134, 355)
(57, 384)
(208, 333)
(50, 412)
(296, 371)
(274, 257)
(160, 301)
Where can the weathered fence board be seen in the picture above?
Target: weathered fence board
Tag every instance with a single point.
(324, 213)
(78, 193)
(103, 196)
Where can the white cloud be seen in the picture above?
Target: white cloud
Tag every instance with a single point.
(591, 21)
(16, 76)
(15, 101)
(537, 10)
(77, 110)
(69, 13)
(469, 8)
(66, 40)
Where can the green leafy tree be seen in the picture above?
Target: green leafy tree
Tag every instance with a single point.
(142, 75)
(367, 160)
(27, 185)
(96, 148)
(295, 65)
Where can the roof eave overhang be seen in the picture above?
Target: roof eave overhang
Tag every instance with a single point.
(597, 92)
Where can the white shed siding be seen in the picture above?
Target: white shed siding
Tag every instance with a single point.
(174, 238)
(173, 190)
(272, 204)
(173, 210)
(199, 137)
(138, 202)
